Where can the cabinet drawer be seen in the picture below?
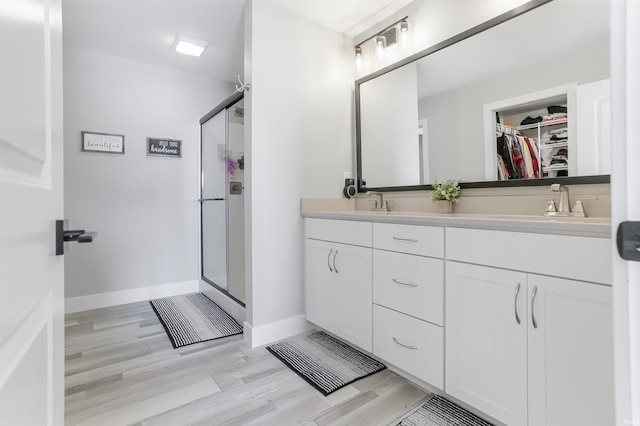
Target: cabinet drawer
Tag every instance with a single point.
(340, 231)
(579, 258)
(422, 354)
(413, 239)
(410, 284)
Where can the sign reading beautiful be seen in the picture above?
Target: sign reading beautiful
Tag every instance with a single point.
(103, 142)
(164, 147)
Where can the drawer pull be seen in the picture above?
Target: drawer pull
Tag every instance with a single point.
(405, 284)
(329, 257)
(335, 268)
(515, 303)
(413, 348)
(406, 240)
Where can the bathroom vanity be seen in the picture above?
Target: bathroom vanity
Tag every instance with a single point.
(509, 315)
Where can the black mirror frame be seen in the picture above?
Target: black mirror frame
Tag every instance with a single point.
(579, 180)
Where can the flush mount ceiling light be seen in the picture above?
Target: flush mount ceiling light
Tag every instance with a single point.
(189, 45)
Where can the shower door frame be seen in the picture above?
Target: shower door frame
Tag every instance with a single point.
(222, 107)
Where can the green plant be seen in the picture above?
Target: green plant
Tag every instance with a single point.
(448, 190)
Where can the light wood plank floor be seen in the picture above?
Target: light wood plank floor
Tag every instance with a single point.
(122, 370)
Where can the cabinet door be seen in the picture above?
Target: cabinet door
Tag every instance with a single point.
(570, 353)
(486, 340)
(353, 269)
(320, 284)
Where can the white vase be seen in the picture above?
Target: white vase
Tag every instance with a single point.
(444, 206)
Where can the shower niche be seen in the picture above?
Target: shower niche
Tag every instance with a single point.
(222, 198)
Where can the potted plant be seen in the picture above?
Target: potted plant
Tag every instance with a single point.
(445, 194)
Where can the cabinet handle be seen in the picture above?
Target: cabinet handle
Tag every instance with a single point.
(533, 300)
(329, 257)
(406, 284)
(406, 240)
(515, 303)
(413, 348)
(334, 262)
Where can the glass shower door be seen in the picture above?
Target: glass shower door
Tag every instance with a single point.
(214, 200)
(235, 201)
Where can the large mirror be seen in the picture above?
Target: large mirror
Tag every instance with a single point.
(538, 80)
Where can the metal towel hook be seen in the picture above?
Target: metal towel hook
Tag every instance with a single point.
(242, 87)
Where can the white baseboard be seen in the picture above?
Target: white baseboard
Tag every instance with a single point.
(103, 300)
(278, 330)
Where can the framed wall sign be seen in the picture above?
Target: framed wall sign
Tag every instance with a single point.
(164, 147)
(103, 142)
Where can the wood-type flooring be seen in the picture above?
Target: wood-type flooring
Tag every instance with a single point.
(122, 370)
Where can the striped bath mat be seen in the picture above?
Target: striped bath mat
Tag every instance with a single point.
(324, 362)
(193, 318)
(441, 412)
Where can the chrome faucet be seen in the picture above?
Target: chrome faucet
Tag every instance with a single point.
(378, 204)
(564, 197)
(563, 210)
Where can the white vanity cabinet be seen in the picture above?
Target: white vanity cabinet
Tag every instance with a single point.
(570, 332)
(408, 290)
(486, 351)
(523, 347)
(338, 294)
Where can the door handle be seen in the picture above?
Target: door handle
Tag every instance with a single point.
(62, 236)
(515, 303)
(628, 240)
(533, 302)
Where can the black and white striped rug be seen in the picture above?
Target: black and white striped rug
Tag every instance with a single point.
(324, 362)
(193, 318)
(441, 412)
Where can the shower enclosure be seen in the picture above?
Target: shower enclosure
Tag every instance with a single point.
(222, 198)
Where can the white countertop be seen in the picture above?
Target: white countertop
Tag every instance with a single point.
(588, 227)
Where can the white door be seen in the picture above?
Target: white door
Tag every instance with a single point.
(593, 119)
(570, 353)
(486, 340)
(625, 195)
(31, 275)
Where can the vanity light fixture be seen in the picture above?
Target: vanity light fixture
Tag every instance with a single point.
(189, 45)
(387, 37)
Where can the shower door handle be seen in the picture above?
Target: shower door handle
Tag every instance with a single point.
(235, 188)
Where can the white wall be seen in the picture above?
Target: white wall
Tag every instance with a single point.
(298, 138)
(144, 209)
(430, 22)
(389, 113)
